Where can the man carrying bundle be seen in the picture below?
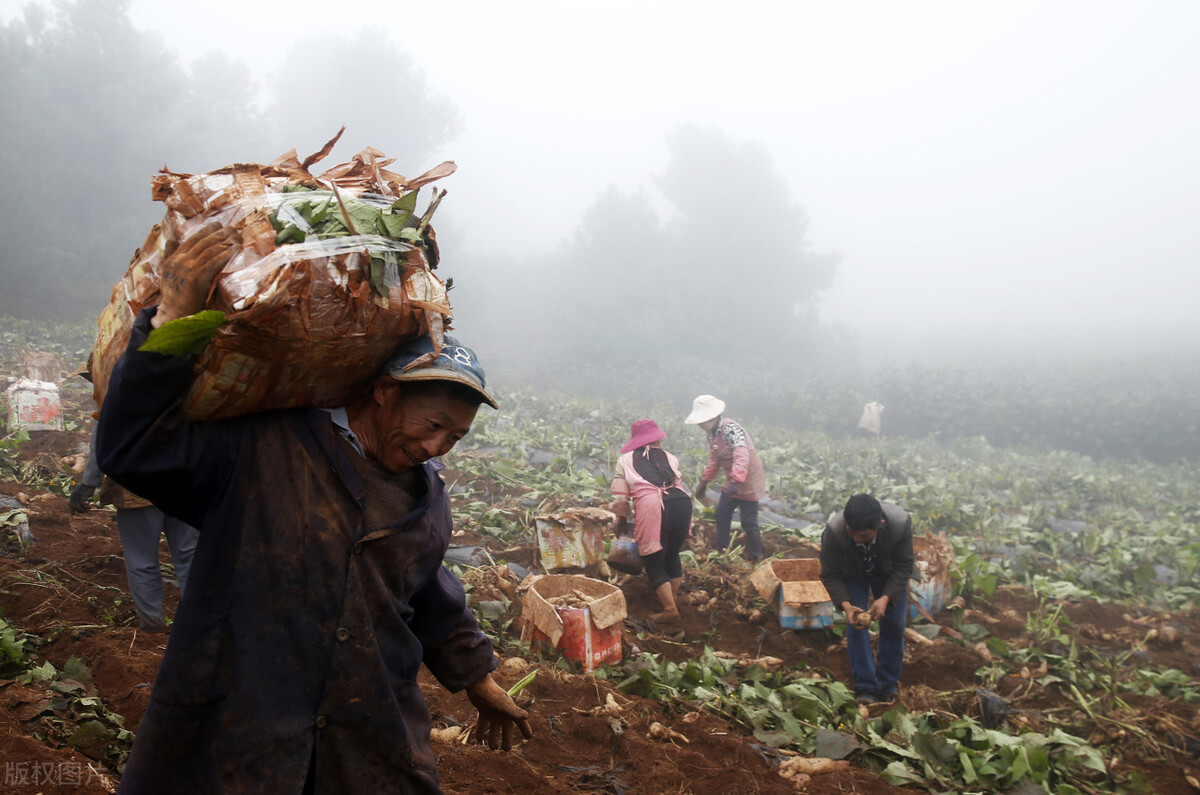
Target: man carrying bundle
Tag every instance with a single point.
(317, 589)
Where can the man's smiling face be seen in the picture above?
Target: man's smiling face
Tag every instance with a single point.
(414, 425)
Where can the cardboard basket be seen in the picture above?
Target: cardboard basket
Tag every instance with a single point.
(588, 635)
(571, 539)
(931, 587)
(794, 585)
(34, 406)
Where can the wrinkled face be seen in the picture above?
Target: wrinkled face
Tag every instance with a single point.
(415, 425)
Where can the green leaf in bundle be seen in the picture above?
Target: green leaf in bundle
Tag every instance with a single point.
(289, 234)
(407, 204)
(185, 335)
(366, 219)
(320, 211)
(410, 234)
(393, 225)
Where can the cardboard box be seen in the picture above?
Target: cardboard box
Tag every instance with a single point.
(588, 635)
(571, 539)
(794, 585)
(34, 406)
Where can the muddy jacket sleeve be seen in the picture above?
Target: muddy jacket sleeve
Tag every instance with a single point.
(456, 650)
(146, 444)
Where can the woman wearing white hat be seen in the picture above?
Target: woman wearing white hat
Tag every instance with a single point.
(731, 449)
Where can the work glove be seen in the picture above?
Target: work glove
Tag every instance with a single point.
(732, 488)
(81, 497)
(701, 492)
(188, 272)
(498, 713)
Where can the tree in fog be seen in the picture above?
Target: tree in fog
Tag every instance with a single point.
(366, 83)
(730, 275)
(612, 281)
(743, 268)
(95, 109)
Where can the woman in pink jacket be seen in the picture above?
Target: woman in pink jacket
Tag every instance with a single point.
(662, 510)
(731, 449)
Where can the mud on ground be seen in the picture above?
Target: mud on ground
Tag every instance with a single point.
(67, 593)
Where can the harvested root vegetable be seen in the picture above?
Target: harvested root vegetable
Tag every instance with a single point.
(666, 734)
(799, 781)
(983, 651)
(916, 637)
(447, 735)
(766, 663)
(513, 666)
(576, 598)
(1168, 636)
(861, 620)
(812, 766)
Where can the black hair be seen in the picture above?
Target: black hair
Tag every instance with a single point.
(862, 512)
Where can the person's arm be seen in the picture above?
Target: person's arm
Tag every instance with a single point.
(460, 656)
(92, 476)
(735, 438)
(143, 440)
(456, 650)
(620, 491)
(498, 714)
(81, 495)
(833, 568)
(903, 560)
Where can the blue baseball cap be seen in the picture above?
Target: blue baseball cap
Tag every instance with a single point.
(414, 361)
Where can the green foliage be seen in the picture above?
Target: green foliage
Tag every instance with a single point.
(185, 335)
(806, 712)
(13, 651)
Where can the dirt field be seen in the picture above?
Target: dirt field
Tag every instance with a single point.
(67, 592)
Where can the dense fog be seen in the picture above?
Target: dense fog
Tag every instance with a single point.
(785, 205)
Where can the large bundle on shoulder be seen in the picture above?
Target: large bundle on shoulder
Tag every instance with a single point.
(333, 273)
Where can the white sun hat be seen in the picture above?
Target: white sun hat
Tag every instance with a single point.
(705, 408)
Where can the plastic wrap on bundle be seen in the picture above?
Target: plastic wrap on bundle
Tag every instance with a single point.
(308, 323)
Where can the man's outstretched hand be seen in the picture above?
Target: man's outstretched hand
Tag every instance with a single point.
(498, 713)
(189, 270)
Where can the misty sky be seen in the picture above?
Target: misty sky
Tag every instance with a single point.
(1004, 163)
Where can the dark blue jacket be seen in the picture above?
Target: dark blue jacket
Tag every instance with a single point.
(300, 635)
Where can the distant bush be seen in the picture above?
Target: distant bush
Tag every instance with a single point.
(1130, 409)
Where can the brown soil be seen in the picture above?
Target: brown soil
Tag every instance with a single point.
(67, 591)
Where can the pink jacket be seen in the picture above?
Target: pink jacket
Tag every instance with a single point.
(647, 501)
(730, 448)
